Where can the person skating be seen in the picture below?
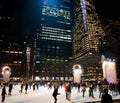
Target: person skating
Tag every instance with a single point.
(83, 90)
(3, 94)
(26, 88)
(78, 86)
(21, 87)
(69, 91)
(101, 90)
(10, 88)
(55, 93)
(66, 90)
(91, 94)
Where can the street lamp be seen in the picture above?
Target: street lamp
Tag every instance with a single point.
(6, 72)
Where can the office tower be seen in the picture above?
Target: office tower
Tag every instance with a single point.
(53, 42)
(11, 53)
(87, 35)
(111, 42)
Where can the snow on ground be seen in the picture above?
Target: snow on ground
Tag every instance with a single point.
(44, 95)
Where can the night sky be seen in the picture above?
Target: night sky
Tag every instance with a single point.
(25, 15)
(108, 9)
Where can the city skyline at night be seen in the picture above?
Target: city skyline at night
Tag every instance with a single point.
(38, 23)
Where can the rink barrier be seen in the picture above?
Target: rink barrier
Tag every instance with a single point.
(114, 101)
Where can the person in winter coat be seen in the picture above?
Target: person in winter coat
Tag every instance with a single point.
(55, 93)
(10, 88)
(106, 98)
(69, 91)
(21, 87)
(91, 94)
(101, 90)
(83, 90)
(78, 86)
(66, 90)
(26, 88)
(3, 94)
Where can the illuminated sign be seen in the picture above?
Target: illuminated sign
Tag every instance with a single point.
(109, 71)
(6, 72)
(77, 73)
(55, 12)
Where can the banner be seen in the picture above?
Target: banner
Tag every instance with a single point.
(109, 71)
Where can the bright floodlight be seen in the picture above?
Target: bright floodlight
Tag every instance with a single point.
(77, 73)
(109, 71)
(6, 72)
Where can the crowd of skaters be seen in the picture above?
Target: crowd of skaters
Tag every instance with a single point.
(68, 86)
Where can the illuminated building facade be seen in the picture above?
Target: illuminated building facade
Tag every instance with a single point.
(87, 35)
(53, 42)
(12, 56)
(110, 45)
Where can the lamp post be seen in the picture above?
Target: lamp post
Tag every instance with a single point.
(77, 73)
(6, 72)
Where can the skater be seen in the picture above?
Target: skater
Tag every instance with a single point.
(3, 94)
(66, 90)
(55, 93)
(91, 94)
(21, 87)
(83, 90)
(69, 91)
(78, 86)
(101, 90)
(26, 88)
(10, 88)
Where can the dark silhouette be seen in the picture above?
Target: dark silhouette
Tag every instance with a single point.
(37, 85)
(83, 90)
(3, 94)
(118, 87)
(10, 88)
(91, 94)
(55, 93)
(78, 86)
(26, 88)
(101, 90)
(34, 84)
(106, 98)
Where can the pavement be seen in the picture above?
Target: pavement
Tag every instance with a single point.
(44, 95)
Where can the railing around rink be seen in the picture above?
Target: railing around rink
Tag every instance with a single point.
(114, 101)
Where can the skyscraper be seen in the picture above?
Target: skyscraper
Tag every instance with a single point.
(87, 34)
(12, 54)
(53, 41)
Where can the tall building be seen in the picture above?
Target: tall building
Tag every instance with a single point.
(111, 42)
(53, 42)
(11, 52)
(87, 35)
